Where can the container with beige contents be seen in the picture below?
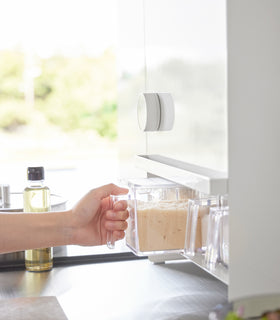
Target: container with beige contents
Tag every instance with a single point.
(158, 214)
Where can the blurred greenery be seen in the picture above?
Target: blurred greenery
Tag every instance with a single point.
(11, 72)
(73, 93)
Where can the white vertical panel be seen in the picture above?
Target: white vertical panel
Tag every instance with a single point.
(254, 147)
(131, 82)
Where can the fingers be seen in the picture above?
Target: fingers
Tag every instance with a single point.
(119, 211)
(118, 235)
(119, 225)
(116, 227)
(120, 205)
(117, 215)
(116, 220)
(105, 191)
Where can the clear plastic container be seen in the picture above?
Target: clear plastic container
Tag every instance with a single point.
(212, 254)
(158, 216)
(207, 230)
(224, 236)
(197, 224)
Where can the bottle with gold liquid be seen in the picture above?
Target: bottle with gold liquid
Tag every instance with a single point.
(36, 198)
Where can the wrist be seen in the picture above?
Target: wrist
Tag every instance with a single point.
(67, 227)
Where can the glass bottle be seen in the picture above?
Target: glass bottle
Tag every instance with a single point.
(36, 198)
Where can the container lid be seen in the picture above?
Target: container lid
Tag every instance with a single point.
(35, 173)
(152, 183)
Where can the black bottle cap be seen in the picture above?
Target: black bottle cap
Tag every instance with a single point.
(35, 173)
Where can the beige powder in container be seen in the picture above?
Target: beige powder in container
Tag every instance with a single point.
(161, 225)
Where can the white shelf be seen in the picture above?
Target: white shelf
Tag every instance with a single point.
(199, 178)
(219, 271)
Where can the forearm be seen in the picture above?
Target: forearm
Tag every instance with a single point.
(21, 231)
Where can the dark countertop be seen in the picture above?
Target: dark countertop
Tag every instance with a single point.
(132, 290)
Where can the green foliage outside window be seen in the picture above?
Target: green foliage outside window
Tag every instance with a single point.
(73, 93)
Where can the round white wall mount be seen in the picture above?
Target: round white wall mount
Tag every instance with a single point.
(155, 111)
(167, 111)
(148, 112)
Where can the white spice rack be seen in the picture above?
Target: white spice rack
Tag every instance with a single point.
(201, 179)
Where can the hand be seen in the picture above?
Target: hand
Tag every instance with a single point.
(93, 217)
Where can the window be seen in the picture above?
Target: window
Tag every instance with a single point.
(58, 93)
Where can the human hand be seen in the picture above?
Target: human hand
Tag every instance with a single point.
(93, 217)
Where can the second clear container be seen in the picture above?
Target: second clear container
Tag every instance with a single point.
(197, 224)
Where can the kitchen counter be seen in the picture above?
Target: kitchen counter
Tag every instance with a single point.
(127, 290)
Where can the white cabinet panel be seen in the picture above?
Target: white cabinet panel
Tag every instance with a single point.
(186, 56)
(254, 153)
